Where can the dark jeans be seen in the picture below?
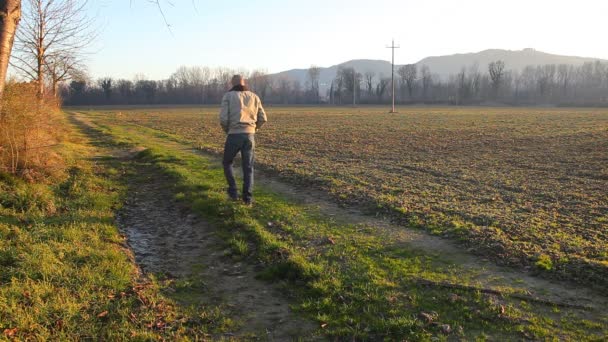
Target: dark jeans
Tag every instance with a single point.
(235, 143)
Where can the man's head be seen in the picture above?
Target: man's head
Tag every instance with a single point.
(238, 80)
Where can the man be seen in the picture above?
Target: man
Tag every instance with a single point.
(241, 116)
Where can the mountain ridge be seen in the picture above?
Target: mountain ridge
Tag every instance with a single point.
(443, 66)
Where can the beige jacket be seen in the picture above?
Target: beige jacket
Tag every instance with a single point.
(242, 112)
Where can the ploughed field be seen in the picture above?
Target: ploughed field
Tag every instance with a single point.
(525, 186)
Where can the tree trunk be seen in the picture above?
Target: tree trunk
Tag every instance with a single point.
(10, 14)
(41, 51)
(40, 74)
(55, 86)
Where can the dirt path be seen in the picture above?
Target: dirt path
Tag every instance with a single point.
(486, 274)
(165, 238)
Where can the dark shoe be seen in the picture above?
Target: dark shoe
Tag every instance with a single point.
(248, 202)
(232, 195)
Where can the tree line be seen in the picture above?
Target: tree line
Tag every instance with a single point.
(584, 85)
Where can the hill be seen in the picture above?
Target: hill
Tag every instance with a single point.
(443, 66)
(514, 60)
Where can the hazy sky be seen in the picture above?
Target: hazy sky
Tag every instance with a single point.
(278, 35)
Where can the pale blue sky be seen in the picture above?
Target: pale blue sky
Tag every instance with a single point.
(278, 35)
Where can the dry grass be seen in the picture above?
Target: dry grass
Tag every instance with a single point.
(29, 130)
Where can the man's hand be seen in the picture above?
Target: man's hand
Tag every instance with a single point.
(224, 114)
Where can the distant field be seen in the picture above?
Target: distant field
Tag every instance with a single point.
(524, 186)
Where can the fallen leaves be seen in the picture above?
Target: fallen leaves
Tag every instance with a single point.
(157, 325)
(10, 332)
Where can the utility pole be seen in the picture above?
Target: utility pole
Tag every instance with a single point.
(393, 47)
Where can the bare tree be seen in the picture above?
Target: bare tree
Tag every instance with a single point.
(497, 72)
(61, 68)
(181, 77)
(338, 85)
(259, 82)
(545, 78)
(475, 81)
(125, 88)
(369, 82)
(408, 74)
(599, 69)
(52, 31)
(381, 88)
(296, 91)
(402, 88)
(426, 81)
(517, 84)
(564, 75)
(464, 86)
(106, 85)
(351, 81)
(224, 75)
(10, 15)
(192, 81)
(357, 78)
(197, 79)
(314, 72)
(284, 88)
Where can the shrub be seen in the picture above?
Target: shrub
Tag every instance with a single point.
(29, 129)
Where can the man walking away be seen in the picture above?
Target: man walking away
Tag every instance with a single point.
(241, 116)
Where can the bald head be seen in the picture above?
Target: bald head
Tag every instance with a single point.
(238, 80)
